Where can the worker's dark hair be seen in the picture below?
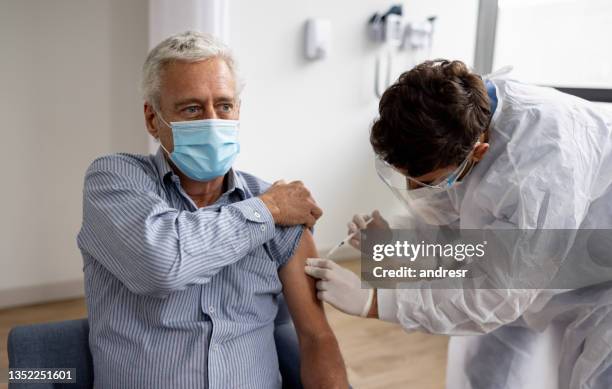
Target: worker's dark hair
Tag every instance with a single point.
(431, 117)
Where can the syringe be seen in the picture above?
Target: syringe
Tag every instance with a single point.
(345, 240)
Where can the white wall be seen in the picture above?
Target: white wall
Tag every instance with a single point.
(69, 76)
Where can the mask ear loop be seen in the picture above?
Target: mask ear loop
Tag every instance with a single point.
(167, 125)
(162, 146)
(159, 115)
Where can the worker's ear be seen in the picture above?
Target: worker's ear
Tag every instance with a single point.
(149, 114)
(480, 149)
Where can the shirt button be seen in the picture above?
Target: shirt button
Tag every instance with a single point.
(257, 215)
(263, 228)
(211, 309)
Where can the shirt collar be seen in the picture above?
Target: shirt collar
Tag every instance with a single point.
(234, 181)
(163, 167)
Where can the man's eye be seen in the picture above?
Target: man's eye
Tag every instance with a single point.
(192, 109)
(226, 107)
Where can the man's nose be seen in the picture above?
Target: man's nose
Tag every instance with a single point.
(210, 112)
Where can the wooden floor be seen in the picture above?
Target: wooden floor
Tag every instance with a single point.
(377, 354)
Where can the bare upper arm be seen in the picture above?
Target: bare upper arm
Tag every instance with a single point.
(300, 292)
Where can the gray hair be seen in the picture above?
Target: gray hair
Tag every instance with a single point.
(189, 46)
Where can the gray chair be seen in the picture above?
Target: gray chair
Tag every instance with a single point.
(61, 344)
(65, 344)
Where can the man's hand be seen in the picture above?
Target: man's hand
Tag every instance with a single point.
(291, 204)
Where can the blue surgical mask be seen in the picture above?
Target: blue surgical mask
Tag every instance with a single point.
(204, 149)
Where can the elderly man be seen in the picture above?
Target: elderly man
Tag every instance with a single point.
(184, 257)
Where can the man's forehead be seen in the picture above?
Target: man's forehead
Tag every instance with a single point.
(211, 75)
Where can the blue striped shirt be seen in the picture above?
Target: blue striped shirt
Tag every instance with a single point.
(179, 297)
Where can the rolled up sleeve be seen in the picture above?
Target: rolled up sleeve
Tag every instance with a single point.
(261, 226)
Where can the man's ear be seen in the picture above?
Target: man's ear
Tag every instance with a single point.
(149, 115)
(480, 149)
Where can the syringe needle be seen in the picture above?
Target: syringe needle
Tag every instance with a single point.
(345, 240)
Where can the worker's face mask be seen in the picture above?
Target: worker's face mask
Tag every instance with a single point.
(430, 201)
(204, 149)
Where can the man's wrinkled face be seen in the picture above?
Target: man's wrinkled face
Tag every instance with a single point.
(193, 91)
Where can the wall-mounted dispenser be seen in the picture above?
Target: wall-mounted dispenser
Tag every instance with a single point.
(395, 33)
(317, 39)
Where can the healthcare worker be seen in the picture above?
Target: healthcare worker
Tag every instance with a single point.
(473, 152)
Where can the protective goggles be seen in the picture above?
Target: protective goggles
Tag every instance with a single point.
(395, 179)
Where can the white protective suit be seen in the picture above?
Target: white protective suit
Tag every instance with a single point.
(549, 166)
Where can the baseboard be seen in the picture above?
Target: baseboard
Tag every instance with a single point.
(35, 294)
